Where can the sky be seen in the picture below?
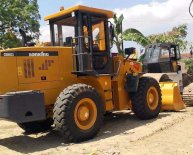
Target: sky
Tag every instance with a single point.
(148, 16)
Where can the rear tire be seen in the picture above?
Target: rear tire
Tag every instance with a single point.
(37, 126)
(165, 78)
(78, 113)
(146, 102)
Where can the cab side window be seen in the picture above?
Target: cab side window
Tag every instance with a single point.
(96, 38)
(165, 54)
(98, 32)
(172, 52)
(155, 55)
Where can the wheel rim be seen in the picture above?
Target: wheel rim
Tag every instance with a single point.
(85, 113)
(152, 98)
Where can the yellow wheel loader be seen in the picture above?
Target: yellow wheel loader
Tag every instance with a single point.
(74, 82)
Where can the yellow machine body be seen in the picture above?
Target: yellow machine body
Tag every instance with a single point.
(51, 74)
(67, 86)
(171, 97)
(49, 69)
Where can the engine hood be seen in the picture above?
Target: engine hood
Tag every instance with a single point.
(28, 65)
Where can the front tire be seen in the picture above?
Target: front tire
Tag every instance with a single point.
(146, 102)
(78, 113)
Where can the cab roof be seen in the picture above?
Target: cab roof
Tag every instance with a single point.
(107, 13)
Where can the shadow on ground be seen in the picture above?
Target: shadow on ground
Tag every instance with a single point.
(114, 124)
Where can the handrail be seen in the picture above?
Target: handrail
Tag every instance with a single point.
(118, 69)
(79, 40)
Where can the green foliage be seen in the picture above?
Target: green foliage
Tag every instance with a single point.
(11, 40)
(189, 65)
(118, 24)
(135, 35)
(128, 35)
(177, 36)
(15, 14)
(118, 33)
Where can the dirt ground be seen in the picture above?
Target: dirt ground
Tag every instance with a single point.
(121, 134)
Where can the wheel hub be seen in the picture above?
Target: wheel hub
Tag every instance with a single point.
(152, 98)
(83, 113)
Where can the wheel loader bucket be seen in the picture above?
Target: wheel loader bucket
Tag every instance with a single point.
(171, 97)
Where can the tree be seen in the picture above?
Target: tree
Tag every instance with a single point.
(177, 36)
(118, 40)
(15, 14)
(130, 34)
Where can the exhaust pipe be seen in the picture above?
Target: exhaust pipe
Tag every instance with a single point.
(24, 39)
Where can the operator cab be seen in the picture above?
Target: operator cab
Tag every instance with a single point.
(90, 37)
(161, 58)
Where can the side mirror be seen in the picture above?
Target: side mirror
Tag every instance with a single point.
(129, 51)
